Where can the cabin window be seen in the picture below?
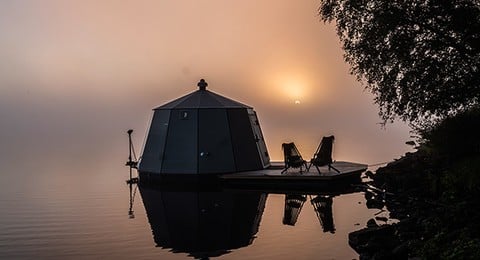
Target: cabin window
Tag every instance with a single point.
(184, 115)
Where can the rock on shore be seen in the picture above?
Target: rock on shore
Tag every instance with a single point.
(429, 226)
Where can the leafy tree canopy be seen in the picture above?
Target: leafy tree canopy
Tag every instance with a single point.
(420, 58)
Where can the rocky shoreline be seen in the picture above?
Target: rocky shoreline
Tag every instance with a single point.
(431, 225)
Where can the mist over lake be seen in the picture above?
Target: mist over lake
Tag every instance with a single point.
(75, 76)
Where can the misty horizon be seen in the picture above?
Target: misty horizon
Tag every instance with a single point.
(75, 76)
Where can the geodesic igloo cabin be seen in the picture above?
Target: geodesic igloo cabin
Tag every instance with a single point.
(202, 133)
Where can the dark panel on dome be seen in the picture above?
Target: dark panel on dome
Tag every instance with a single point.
(155, 143)
(180, 154)
(243, 141)
(226, 102)
(193, 101)
(214, 144)
(174, 103)
(202, 99)
(207, 100)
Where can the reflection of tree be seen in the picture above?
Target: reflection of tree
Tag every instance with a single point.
(203, 224)
(323, 208)
(293, 206)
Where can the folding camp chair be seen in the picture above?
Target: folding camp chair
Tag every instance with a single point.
(292, 157)
(323, 155)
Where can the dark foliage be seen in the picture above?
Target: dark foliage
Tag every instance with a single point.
(455, 143)
(420, 58)
(455, 137)
(437, 190)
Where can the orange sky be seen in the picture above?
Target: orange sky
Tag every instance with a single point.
(74, 75)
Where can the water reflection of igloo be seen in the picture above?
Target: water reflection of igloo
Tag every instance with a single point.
(203, 224)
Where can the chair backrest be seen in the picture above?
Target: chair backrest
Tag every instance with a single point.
(323, 155)
(291, 155)
(289, 150)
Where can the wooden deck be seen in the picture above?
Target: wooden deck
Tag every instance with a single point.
(272, 177)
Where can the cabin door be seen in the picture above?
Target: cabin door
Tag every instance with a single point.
(257, 131)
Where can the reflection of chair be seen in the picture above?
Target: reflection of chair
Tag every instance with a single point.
(292, 157)
(323, 155)
(323, 209)
(293, 206)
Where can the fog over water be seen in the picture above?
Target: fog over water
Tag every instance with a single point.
(75, 75)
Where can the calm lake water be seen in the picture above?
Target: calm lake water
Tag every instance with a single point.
(59, 209)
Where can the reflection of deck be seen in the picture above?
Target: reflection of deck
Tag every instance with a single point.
(272, 176)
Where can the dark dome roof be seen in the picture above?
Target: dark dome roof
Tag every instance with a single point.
(202, 98)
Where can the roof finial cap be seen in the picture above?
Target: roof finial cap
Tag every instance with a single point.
(202, 84)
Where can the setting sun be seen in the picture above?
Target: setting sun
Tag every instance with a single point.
(291, 89)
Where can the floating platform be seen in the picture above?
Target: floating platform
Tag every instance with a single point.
(273, 179)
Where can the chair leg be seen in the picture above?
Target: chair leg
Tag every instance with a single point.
(318, 169)
(331, 167)
(285, 168)
(301, 167)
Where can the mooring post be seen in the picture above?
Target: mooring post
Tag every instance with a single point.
(130, 131)
(131, 163)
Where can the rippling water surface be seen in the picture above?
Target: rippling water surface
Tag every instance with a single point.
(58, 211)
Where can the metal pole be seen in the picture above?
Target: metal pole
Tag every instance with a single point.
(130, 131)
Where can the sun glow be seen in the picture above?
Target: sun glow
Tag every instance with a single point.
(301, 89)
(294, 89)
